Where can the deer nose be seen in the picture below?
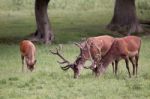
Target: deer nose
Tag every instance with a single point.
(31, 69)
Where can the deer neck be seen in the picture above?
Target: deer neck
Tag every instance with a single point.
(80, 62)
(108, 58)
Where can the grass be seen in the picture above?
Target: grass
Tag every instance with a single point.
(48, 81)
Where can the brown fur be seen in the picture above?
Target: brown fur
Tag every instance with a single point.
(127, 48)
(93, 47)
(28, 51)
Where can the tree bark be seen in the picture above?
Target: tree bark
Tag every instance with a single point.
(44, 32)
(125, 18)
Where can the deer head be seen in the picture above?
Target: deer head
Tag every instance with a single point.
(30, 65)
(85, 54)
(79, 62)
(65, 61)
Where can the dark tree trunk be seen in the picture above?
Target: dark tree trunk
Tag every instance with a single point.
(125, 18)
(44, 32)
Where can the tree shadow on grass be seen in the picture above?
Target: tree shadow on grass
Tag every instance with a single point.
(89, 30)
(10, 40)
(77, 33)
(146, 31)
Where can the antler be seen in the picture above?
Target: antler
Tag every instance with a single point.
(97, 56)
(78, 45)
(90, 57)
(64, 60)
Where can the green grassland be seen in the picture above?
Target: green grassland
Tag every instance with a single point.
(72, 21)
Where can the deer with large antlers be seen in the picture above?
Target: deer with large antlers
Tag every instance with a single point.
(94, 48)
(127, 48)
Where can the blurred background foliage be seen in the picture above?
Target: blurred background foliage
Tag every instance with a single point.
(19, 5)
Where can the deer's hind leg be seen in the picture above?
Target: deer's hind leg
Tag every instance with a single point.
(116, 66)
(127, 66)
(22, 58)
(133, 64)
(136, 59)
(113, 67)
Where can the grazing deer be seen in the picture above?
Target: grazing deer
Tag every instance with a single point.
(28, 50)
(127, 48)
(94, 48)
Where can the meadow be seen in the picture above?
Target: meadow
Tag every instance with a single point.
(72, 21)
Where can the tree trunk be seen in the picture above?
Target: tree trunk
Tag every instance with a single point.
(125, 18)
(44, 32)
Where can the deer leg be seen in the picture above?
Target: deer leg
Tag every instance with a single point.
(113, 67)
(133, 64)
(22, 58)
(76, 72)
(136, 59)
(97, 71)
(127, 66)
(116, 66)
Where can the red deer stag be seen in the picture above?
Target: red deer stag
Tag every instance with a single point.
(27, 50)
(127, 48)
(93, 48)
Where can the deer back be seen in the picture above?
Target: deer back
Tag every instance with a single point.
(100, 45)
(127, 46)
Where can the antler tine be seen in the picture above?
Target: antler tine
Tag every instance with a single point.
(78, 45)
(52, 52)
(65, 68)
(58, 54)
(91, 59)
(61, 62)
(64, 60)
